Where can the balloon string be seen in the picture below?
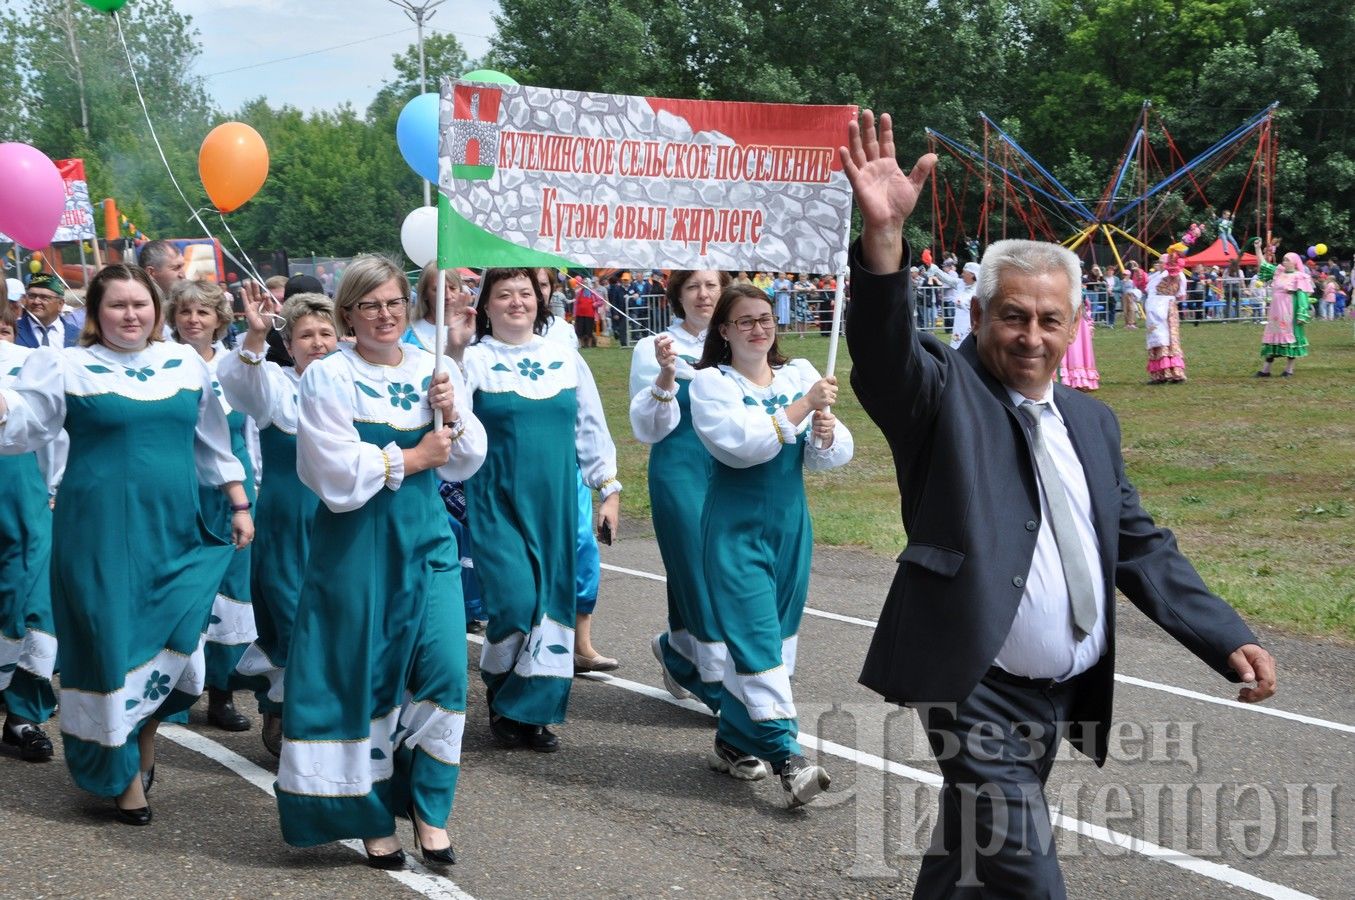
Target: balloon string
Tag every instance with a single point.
(253, 270)
(136, 83)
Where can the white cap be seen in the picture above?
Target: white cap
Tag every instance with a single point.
(972, 268)
(14, 287)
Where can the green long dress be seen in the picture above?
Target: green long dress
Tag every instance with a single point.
(283, 517)
(375, 684)
(27, 635)
(545, 425)
(136, 570)
(692, 649)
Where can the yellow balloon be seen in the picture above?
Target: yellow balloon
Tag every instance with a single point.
(1321, 249)
(35, 266)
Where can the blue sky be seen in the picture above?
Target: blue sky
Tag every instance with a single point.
(244, 33)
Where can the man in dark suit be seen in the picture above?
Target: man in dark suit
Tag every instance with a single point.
(1000, 624)
(43, 323)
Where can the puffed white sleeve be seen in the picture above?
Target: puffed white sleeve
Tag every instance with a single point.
(840, 453)
(253, 385)
(469, 442)
(332, 459)
(592, 441)
(35, 404)
(654, 413)
(735, 433)
(52, 461)
(212, 456)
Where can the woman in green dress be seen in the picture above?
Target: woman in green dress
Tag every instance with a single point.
(199, 313)
(764, 418)
(1291, 294)
(690, 653)
(269, 394)
(375, 685)
(136, 570)
(543, 416)
(27, 636)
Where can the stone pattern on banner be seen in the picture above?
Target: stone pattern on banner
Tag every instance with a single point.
(805, 224)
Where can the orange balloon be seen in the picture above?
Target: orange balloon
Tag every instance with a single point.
(233, 165)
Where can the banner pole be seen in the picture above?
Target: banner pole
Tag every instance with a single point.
(838, 295)
(440, 335)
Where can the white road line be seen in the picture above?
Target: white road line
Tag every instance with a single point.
(1123, 679)
(417, 878)
(1180, 859)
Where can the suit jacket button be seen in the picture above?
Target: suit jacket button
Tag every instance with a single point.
(1018, 581)
(1032, 525)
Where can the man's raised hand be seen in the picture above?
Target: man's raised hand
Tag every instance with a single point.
(884, 194)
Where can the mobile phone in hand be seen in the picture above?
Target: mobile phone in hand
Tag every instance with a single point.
(605, 533)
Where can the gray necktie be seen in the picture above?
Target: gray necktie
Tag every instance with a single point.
(1080, 591)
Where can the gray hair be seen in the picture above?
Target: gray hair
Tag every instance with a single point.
(364, 275)
(425, 292)
(1030, 258)
(155, 254)
(298, 306)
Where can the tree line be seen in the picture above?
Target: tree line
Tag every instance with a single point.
(1066, 78)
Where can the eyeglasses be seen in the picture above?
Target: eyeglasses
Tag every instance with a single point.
(370, 310)
(40, 298)
(748, 323)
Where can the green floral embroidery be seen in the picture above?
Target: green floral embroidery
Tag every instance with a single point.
(528, 368)
(172, 364)
(403, 395)
(368, 389)
(15, 370)
(555, 365)
(139, 374)
(499, 367)
(157, 686)
(749, 401)
(216, 387)
(557, 649)
(689, 360)
(772, 404)
(427, 383)
(100, 370)
(377, 753)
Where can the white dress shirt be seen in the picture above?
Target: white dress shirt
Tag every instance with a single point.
(55, 333)
(1042, 642)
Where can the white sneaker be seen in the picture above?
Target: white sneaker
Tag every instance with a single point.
(802, 781)
(677, 690)
(730, 761)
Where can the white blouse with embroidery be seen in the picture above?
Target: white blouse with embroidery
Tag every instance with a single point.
(653, 414)
(37, 399)
(744, 425)
(538, 370)
(263, 390)
(344, 389)
(52, 457)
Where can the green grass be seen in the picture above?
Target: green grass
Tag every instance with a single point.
(1256, 477)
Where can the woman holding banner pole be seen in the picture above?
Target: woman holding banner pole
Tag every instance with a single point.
(376, 674)
(544, 420)
(690, 653)
(764, 418)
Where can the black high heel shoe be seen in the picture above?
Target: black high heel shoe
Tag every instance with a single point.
(389, 862)
(444, 857)
(140, 816)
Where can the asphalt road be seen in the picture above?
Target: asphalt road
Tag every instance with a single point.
(1201, 798)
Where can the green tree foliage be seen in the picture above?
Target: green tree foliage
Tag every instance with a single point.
(74, 98)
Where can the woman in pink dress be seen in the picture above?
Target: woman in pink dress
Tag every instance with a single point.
(1078, 369)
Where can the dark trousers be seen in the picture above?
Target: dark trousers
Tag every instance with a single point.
(993, 836)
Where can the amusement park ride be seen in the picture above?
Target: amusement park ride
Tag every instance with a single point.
(1020, 198)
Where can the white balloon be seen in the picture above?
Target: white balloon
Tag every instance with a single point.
(419, 235)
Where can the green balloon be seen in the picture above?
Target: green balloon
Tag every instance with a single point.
(108, 6)
(484, 75)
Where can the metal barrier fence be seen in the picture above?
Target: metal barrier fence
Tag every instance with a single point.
(649, 313)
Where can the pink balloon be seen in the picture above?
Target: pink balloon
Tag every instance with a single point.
(32, 195)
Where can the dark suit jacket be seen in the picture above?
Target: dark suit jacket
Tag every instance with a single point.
(25, 336)
(971, 508)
